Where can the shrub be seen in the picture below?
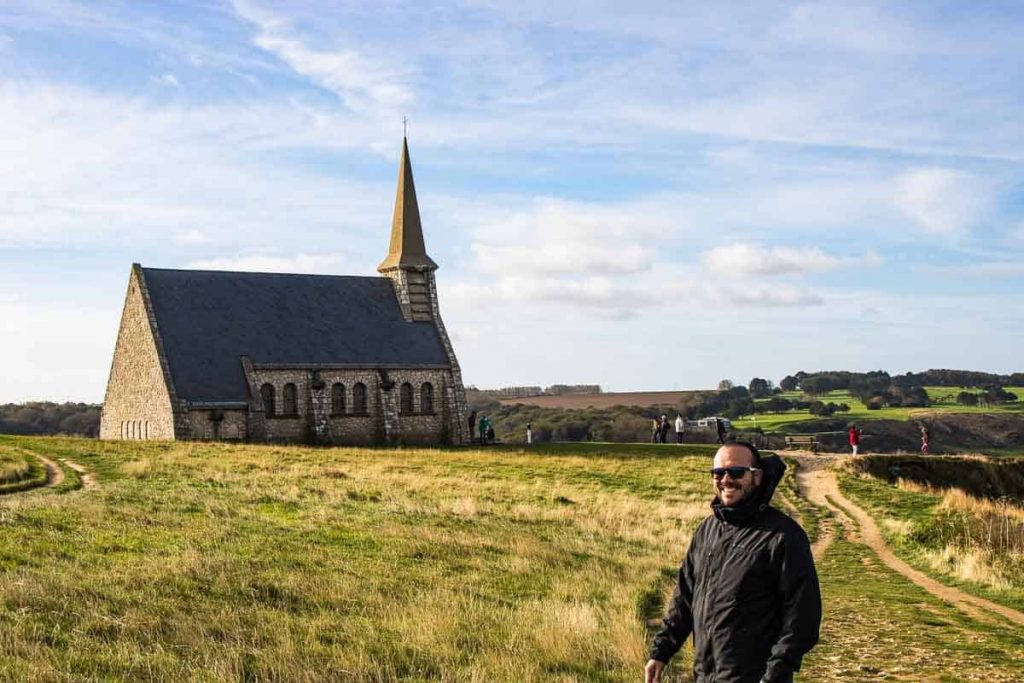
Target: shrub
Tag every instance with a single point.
(966, 398)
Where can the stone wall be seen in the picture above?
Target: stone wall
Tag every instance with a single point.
(138, 401)
(455, 391)
(317, 423)
(216, 424)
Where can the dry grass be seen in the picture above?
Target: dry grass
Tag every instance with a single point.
(972, 539)
(14, 465)
(212, 562)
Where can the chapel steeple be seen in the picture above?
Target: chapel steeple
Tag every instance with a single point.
(407, 265)
(407, 250)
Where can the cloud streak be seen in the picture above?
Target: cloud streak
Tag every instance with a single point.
(748, 260)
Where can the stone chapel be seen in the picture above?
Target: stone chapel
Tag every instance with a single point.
(265, 357)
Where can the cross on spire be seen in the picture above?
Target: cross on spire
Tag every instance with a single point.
(405, 127)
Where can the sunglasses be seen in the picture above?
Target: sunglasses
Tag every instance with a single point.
(733, 472)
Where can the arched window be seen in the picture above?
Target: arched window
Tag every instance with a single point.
(405, 407)
(124, 434)
(290, 400)
(338, 399)
(359, 399)
(267, 394)
(427, 398)
(146, 432)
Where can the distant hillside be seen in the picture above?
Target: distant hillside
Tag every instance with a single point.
(604, 399)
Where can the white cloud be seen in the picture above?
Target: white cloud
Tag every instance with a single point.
(191, 238)
(327, 264)
(167, 79)
(849, 26)
(558, 237)
(987, 270)
(36, 338)
(667, 289)
(941, 201)
(743, 260)
(361, 82)
(84, 167)
(1016, 235)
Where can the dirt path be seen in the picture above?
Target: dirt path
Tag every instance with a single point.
(89, 482)
(818, 482)
(54, 474)
(808, 476)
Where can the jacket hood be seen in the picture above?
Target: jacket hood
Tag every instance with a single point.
(772, 469)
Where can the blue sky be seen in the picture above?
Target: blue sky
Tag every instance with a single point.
(647, 196)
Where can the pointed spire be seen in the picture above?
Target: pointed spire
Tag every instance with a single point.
(407, 249)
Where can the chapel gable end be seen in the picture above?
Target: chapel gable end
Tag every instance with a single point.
(138, 401)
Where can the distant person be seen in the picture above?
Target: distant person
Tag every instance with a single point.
(680, 428)
(720, 429)
(490, 433)
(663, 430)
(483, 425)
(924, 439)
(854, 437)
(472, 423)
(747, 590)
(529, 432)
(655, 429)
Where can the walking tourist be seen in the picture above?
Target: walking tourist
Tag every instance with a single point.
(529, 432)
(680, 428)
(720, 429)
(924, 439)
(655, 429)
(747, 589)
(663, 430)
(472, 424)
(854, 437)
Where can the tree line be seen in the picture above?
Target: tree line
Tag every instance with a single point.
(45, 417)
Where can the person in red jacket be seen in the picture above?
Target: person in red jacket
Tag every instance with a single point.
(854, 438)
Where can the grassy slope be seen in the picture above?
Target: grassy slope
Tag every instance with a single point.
(858, 412)
(213, 562)
(915, 534)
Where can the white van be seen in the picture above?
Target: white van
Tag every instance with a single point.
(712, 423)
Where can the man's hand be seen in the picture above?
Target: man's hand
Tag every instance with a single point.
(652, 672)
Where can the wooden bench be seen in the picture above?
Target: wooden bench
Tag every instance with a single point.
(803, 441)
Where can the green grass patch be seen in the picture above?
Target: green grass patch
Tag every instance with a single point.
(943, 401)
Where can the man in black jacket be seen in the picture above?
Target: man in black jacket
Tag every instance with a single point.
(747, 589)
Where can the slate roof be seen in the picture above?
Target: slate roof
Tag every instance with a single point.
(208, 319)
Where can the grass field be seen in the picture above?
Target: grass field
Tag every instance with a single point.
(212, 562)
(943, 399)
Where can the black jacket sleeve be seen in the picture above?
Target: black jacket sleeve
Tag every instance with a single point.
(678, 621)
(801, 609)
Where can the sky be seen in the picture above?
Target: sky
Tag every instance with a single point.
(652, 195)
